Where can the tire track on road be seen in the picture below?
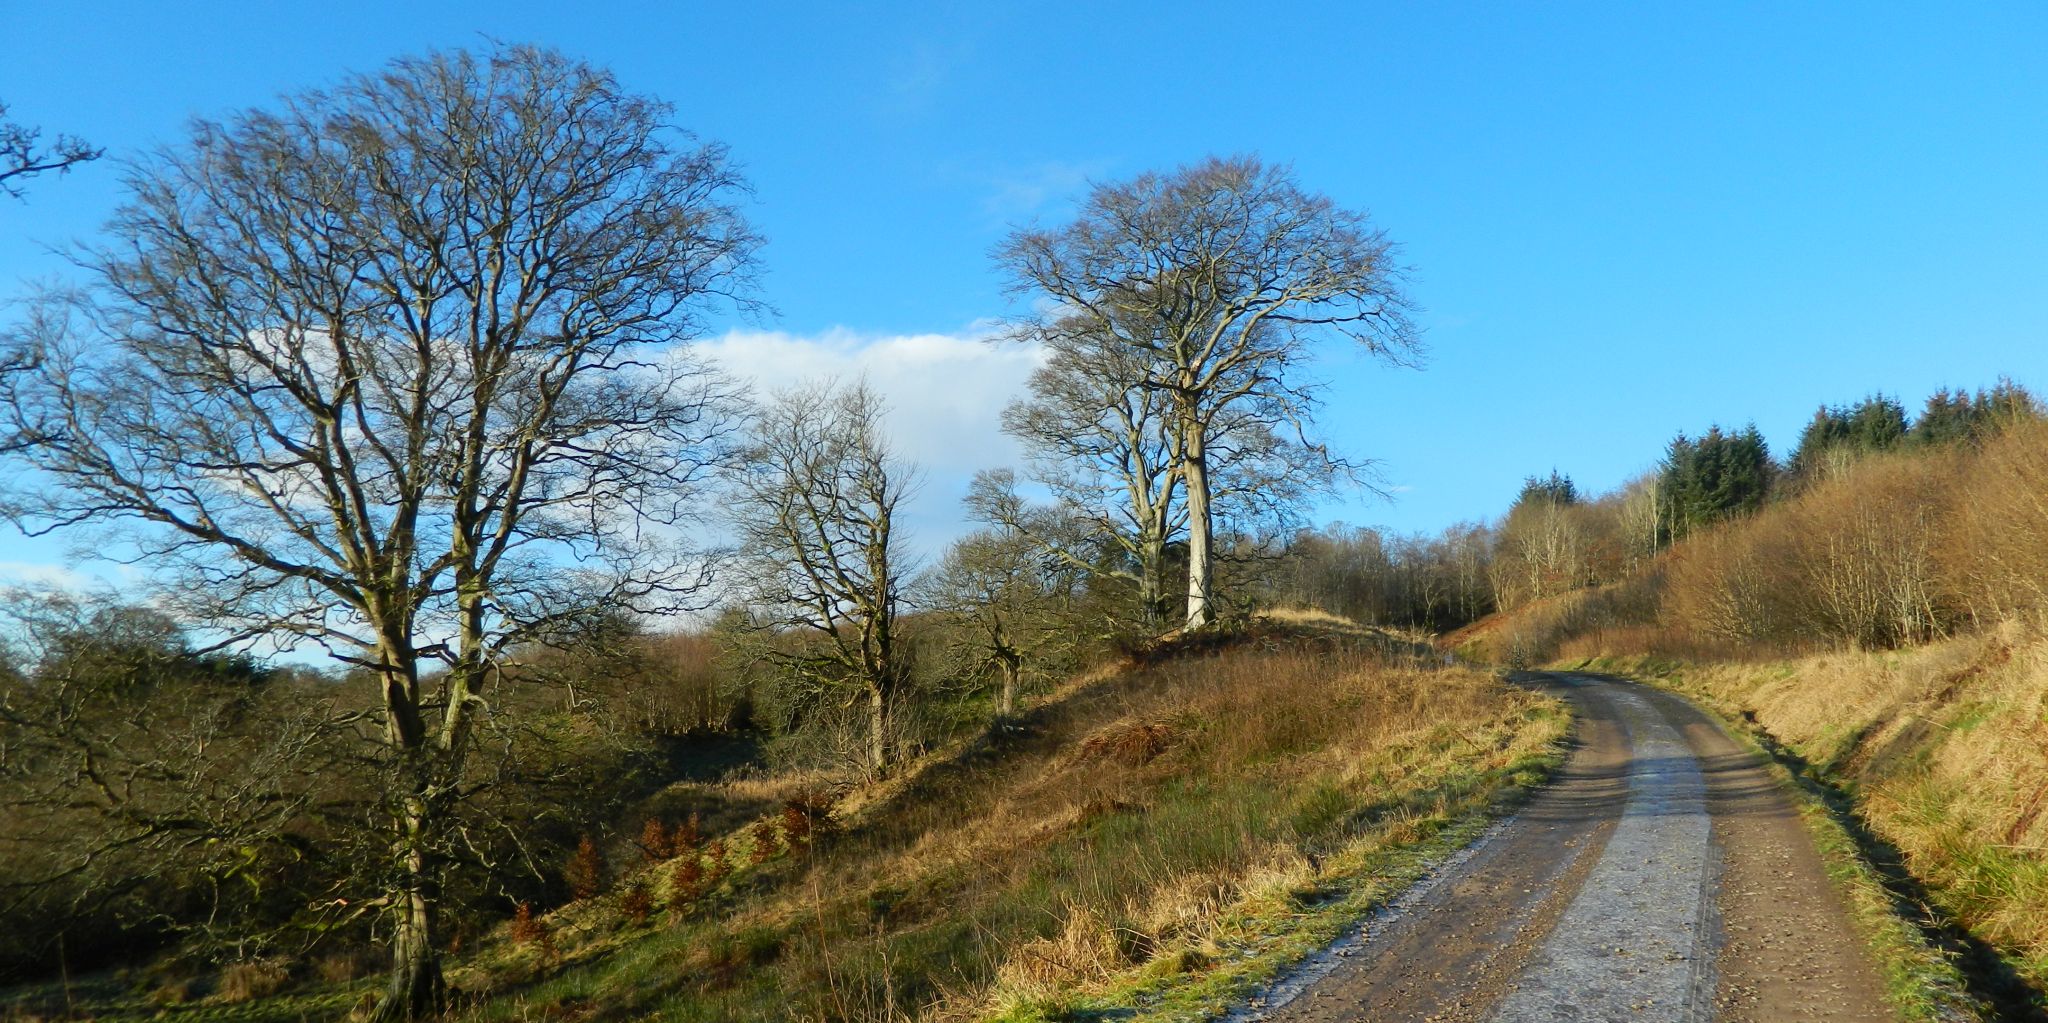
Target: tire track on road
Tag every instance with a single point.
(1660, 878)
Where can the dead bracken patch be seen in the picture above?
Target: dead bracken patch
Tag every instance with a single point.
(1129, 744)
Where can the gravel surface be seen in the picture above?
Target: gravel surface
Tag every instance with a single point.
(1661, 876)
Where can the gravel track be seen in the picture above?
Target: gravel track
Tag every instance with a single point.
(1662, 877)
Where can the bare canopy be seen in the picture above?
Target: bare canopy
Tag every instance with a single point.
(24, 155)
(1216, 280)
(817, 498)
(396, 369)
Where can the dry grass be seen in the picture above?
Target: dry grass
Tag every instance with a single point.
(1135, 832)
(246, 981)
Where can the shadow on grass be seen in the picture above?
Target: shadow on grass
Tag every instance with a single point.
(1990, 977)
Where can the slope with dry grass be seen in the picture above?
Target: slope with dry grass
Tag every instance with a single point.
(1156, 837)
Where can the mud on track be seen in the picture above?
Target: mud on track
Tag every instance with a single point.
(1662, 876)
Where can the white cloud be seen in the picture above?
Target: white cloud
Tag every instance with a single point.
(42, 575)
(945, 393)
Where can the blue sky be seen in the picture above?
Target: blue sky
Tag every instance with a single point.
(1623, 220)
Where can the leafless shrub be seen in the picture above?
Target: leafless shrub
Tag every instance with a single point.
(247, 981)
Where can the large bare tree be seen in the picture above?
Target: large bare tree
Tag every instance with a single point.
(398, 369)
(818, 494)
(1220, 278)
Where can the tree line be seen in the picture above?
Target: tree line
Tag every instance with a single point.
(1555, 540)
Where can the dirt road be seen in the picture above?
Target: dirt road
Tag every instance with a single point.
(1662, 877)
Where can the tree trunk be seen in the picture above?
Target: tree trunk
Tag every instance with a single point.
(1011, 672)
(1195, 469)
(416, 990)
(878, 728)
(1152, 577)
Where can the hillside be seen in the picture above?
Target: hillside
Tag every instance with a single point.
(1156, 835)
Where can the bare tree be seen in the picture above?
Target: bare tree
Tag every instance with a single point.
(23, 154)
(1105, 446)
(1095, 438)
(819, 490)
(1219, 279)
(396, 369)
(1011, 601)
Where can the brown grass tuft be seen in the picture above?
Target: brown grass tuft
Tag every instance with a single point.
(250, 980)
(1128, 743)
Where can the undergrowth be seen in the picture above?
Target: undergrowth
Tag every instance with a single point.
(1156, 841)
(1151, 842)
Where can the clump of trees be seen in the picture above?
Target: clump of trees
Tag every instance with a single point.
(1713, 477)
(1858, 538)
(1191, 300)
(1880, 530)
(1838, 435)
(1367, 575)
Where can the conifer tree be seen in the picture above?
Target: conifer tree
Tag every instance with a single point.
(1714, 477)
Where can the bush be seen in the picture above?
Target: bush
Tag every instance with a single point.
(762, 841)
(529, 931)
(248, 981)
(585, 873)
(636, 904)
(656, 843)
(685, 882)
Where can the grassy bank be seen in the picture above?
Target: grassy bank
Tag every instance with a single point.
(1156, 839)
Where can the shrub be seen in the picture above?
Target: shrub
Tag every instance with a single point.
(803, 818)
(526, 928)
(715, 865)
(585, 873)
(685, 882)
(529, 931)
(763, 842)
(656, 843)
(637, 903)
